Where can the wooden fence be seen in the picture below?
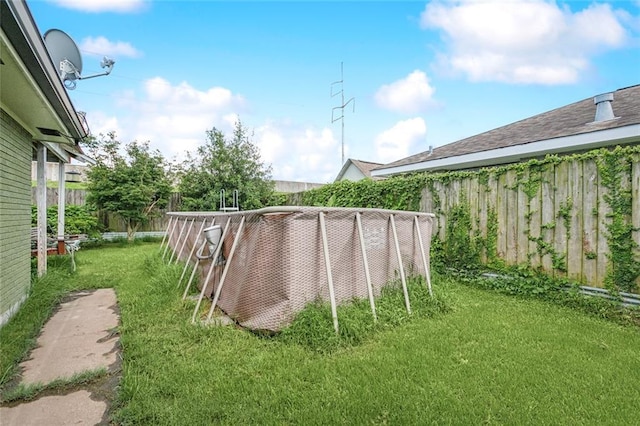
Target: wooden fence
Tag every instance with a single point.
(73, 197)
(554, 217)
(110, 222)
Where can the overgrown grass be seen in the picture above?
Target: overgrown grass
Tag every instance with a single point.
(489, 358)
(313, 327)
(28, 392)
(119, 242)
(529, 284)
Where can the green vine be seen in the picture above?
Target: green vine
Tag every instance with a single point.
(564, 213)
(490, 242)
(404, 192)
(623, 267)
(435, 197)
(396, 193)
(460, 247)
(544, 248)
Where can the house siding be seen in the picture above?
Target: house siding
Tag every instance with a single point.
(352, 173)
(15, 216)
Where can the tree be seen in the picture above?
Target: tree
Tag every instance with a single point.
(229, 164)
(132, 182)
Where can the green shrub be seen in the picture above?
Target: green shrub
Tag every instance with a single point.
(77, 220)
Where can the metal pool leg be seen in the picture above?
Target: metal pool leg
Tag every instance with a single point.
(166, 232)
(402, 277)
(195, 244)
(227, 265)
(366, 267)
(211, 267)
(169, 235)
(195, 267)
(186, 237)
(427, 273)
(193, 273)
(325, 247)
(175, 249)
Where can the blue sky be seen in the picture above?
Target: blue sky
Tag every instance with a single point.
(422, 73)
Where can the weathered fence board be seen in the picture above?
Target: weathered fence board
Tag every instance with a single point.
(426, 201)
(471, 188)
(523, 223)
(440, 193)
(575, 232)
(483, 208)
(534, 231)
(491, 203)
(561, 203)
(72, 197)
(548, 218)
(590, 222)
(511, 195)
(503, 214)
(602, 246)
(635, 196)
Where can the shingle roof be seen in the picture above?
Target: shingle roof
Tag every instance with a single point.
(365, 166)
(573, 119)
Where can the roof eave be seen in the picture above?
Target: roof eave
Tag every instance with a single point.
(25, 36)
(343, 170)
(511, 154)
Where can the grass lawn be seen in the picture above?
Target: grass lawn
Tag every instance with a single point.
(490, 359)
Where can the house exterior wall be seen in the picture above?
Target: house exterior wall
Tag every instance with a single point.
(288, 187)
(352, 173)
(15, 216)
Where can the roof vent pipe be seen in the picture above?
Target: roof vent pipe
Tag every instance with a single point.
(604, 111)
(430, 149)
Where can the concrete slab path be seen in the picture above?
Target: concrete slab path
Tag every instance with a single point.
(76, 408)
(81, 336)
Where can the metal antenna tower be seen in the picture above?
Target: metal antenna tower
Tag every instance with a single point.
(342, 106)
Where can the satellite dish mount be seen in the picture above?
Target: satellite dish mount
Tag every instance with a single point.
(66, 55)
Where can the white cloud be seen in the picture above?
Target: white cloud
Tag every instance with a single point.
(102, 123)
(408, 95)
(101, 46)
(401, 140)
(174, 118)
(95, 6)
(299, 153)
(522, 41)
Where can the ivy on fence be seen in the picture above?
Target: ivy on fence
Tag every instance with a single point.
(468, 245)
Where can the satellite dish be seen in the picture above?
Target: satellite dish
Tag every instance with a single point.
(66, 56)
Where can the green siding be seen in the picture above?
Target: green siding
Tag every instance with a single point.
(15, 215)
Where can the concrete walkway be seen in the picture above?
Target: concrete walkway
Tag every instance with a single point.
(80, 337)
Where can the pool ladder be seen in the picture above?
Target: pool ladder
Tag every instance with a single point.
(223, 205)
